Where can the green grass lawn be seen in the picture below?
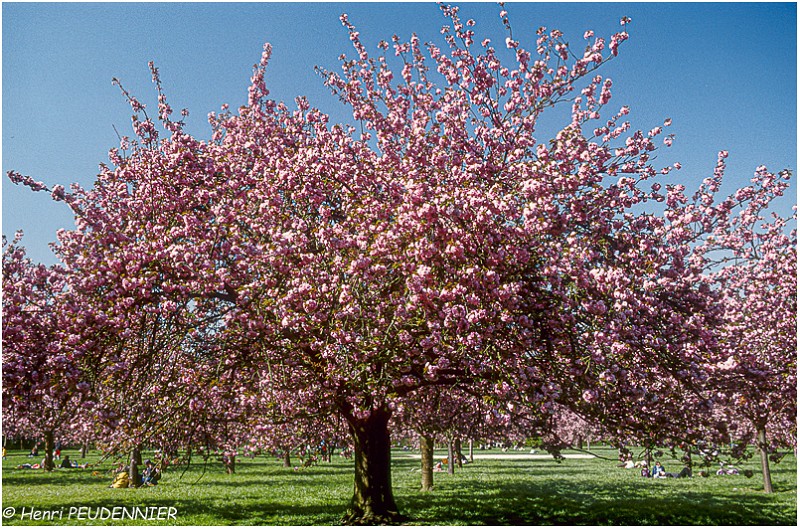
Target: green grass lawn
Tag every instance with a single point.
(495, 492)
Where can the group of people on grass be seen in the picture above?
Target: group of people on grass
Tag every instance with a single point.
(148, 478)
(35, 450)
(66, 462)
(658, 470)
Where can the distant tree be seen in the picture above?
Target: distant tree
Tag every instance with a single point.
(754, 259)
(43, 387)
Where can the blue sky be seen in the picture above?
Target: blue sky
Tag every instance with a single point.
(725, 73)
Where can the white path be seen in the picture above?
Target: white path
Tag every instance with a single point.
(499, 456)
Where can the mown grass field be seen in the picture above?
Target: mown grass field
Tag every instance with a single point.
(495, 492)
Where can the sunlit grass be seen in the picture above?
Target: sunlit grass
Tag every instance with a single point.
(496, 492)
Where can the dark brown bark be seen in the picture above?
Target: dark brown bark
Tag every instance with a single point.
(49, 445)
(457, 454)
(373, 502)
(84, 449)
(687, 459)
(230, 464)
(133, 470)
(761, 441)
(451, 466)
(426, 448)
(287, 458)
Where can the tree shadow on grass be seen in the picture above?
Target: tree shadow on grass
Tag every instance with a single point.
(560, 502)
(537, 492)
(22, 478)
(188, 511)
(262, 512)
(316, 470)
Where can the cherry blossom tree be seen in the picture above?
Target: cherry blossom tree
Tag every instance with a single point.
(333, 269)
(447, 414)
(43, 386)
(755, 259)
(571, 430)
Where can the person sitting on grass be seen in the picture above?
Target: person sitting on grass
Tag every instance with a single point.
(121, 481)
(66, 463)
(151, 474)
(658, 470)
(645, 471)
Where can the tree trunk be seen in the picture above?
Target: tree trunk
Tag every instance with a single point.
(761, 441)
(687, 458)
(457, 452)
(426, 447)
(230, 464)
(373, 502)
(84, 449)
(133, 471)
(287, 458)
(471, 460)
(451, 466)
(49, 445)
